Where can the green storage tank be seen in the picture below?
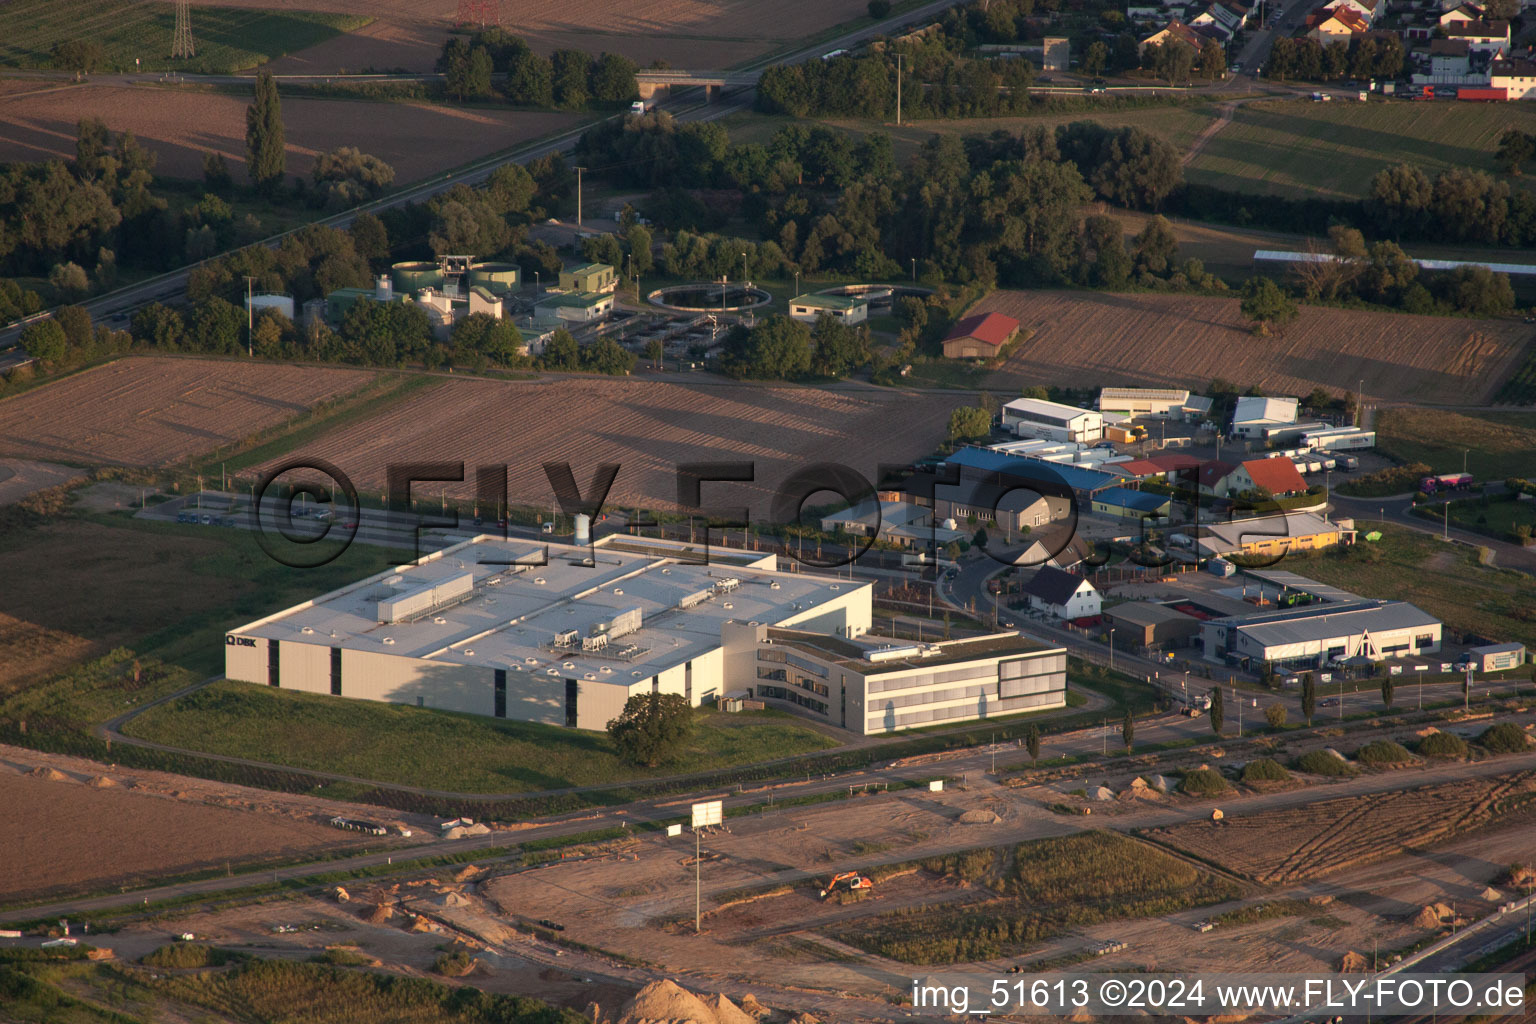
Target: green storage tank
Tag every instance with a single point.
(410, 278)
(496, 278)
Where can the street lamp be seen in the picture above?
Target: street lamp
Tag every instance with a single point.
(1111, 648)
(1464, 453)
(914, 270)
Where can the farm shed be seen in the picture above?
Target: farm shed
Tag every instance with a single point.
(980, 336)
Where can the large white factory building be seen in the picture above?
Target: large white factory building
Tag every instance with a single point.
(482, 627)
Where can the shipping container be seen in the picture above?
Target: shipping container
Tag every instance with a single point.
(1481, 95)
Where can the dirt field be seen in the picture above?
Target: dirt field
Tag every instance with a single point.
(1321, 838)
(31, 651)
(647, 427)
(153, 412)
(687, 33)
(1092, 338)
(416, 139)
(19, 478)
(130, 831)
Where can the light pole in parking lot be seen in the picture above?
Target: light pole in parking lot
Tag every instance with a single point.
(1111, 648)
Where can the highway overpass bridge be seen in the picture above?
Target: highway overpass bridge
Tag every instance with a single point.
(651, 82)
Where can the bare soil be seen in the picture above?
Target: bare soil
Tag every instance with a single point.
(156, 411)
(182, 125)
(1318, 839)
(69, 835)
(20, 477)
(1095, 338)
(648, 427)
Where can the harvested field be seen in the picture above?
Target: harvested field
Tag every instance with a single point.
(19, 478)
(228, 39)
(181, 126)
(648, 427)
(1299, 843)
(687, 33)
(155, 411)
(119, 837)
(31, 651)
(1096, 338)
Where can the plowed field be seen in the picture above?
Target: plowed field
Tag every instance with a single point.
(416, 139)
(153, 412)
(687, 33)
(1298, 843)
(1097, 338)
(648, 427)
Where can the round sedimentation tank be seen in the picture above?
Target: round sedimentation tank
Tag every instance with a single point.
(706, 297)
(878, 295)
(409, 278)
(496, 278)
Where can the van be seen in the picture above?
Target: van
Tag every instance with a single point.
(547, 528)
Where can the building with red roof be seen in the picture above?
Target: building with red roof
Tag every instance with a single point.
(979, 336)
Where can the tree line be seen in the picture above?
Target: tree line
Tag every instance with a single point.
(567, 78)
(1363, 57)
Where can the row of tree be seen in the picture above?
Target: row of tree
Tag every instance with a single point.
(779, 348)
(570, 79)
(1363, 57)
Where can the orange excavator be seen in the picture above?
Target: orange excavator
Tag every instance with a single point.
(850, 880)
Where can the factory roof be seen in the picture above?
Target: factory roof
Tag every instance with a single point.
(519, 602)
(1251, 409)
(1033, 469)
(1291, 581)
(1136, 501)
(575, 300)
(1326, 622)
(870, 654)
(1224, 538)
(1146, 613)
(1180, 395)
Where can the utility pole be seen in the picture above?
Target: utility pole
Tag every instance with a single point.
(698, 885)
(578, 200)
(250, 319)
(898, 90)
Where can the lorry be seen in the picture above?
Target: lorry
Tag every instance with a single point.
(642, 107)
(1445, 482)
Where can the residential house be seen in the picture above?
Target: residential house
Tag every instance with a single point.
(1367, 9)
(1062, 594)
(1178, 31)
(1224, 19)
(1335, 25)
(1459, 14)
(1480, 36)
(980, 336)
(1211, 477)
(1278, 477)
(1516, 74)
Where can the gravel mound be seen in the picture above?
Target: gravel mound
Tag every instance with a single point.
(101, 782)
(665, 1002)
(51, 774)
(978, 816)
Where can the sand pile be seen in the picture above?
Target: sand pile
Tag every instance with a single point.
(1432, 916)
(51, 774)
(1353, 962)
(1159, 783)
(101, 782)
(461, 831)
(1102, 793)
(455, 899)
(665, 1002)
(380, 914)
(421, 924)
(1492, 895)
(979, 816)
(752, 1008)
(1216, 814)
(465, 873)
(726, 1012)
(1335, 753)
